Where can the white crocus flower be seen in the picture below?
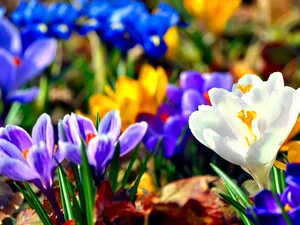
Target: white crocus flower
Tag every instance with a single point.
(247, 126)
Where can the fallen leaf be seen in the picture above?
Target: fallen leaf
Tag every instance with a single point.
(28, 217)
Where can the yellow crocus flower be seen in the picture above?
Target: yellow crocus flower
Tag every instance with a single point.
(132, 97)
(214, 13)
(172, 40)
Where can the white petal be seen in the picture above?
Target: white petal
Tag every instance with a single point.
(274, 82)
(245, 80)
(216, 94)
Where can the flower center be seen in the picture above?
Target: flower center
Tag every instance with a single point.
(206, 97)
(17, 61)
(155, 39)
(245, 88)
(89, 137)
(164, 117)
(247, 117)
(25, 152)
(287, 207)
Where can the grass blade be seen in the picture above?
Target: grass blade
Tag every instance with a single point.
(97, 120)
(88, 186)
(138, 179)
(114, 168)
(276, 179)
(129, 168)
(238, 193)
(68, 211)
(78, 182)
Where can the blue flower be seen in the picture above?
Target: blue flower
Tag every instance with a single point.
(19, 66)
(266, 207)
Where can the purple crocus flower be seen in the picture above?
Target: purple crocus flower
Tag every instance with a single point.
(171, 119)
(100, 144)
(266, 207)
(19, 66)
(25, 158)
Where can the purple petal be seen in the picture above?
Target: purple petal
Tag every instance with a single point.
(8, 71)
(174, 126)
(191, 80)
(19, 137)
(293, 175)
(10, 37)
(37, 57)
(16, 169)
(73, 133)
(111, 124)
(174, 94)
(168, 144)
(266, 200)
(24, 96)
(100, 151)
(39, 159)
(155, 125)
(43, 132)
(165, 111)
(191, 99)
(70, 151)
(10, 150)
(218, 80)
(131, 137)
(86, 126)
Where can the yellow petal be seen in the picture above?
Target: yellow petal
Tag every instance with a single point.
(101, 104)
(172, 40)
(128, 111)
(294, 152)
(215, 13)
(127, 87)
(280, 165)
(154, 86)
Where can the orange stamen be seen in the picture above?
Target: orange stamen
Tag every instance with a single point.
(206, 97)
(164, 117)
(247, 117)
(287, 207)
(245, 88)
(17, 61)
(89, 137)
(25, 152)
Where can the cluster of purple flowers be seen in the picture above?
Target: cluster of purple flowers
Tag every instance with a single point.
(267, 208)
(34, 158)
(120, 23)
(171, 120)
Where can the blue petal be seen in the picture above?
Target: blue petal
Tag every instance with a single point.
(190, 101)
(168, 144)
(18, 136)
(16, 169)
(191, 80)
(10, 150)
(8, 71)
(131, 137)
(37, 57)
(111, 124)
(218, 80)
(293, 175)
(100, 151)
(40, 161)
(174, 126)
(23, 96)
(10, 37)
(174, 94)
(86, 126)
(43, 132)
(70, 151)
(265, 200)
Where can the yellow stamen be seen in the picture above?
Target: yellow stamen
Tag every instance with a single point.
(156, 40)
(245, 88)
(43, 27)
(247, 117)
(25, 152)
(287, 207)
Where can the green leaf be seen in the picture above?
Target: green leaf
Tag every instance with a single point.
(238, 193)
(234, 203)
(35, 203)
(114, 168)
(97, 120)
(158, 162)
(277, 180)
(131, 163)
(65, 198)
(78, 182)
(138, 179)
(88, 186)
